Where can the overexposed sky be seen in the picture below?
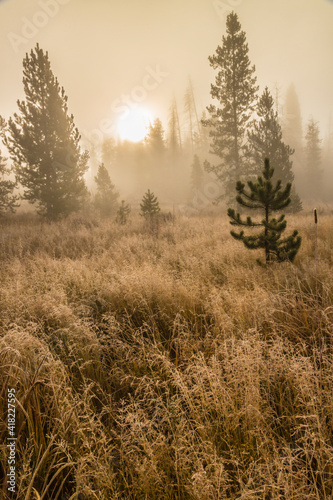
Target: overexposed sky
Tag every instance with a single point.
(113, 54)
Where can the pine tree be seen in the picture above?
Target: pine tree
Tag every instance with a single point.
(263, 195)
(94, 160)
(197, 174)
(204, 135)
(149, 206)
(155, 139)
(174, 133)
(327, 158)
(8, 201)
(123, 213)
(108, 152)
(106, 196)
(265, 141)
(192, 115)
(293, 134)
(313, 160)
(44, 142)
(154, 168)
(292, 120)
(235, 89)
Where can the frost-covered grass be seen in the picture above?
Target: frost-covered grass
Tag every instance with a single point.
(165, 366)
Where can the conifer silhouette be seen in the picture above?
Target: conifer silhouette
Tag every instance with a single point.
(123, 213)
(149, 205)
(44, 142)
(106, 196)
(150, 209)
(263, 195)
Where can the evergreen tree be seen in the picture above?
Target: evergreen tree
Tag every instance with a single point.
(123, 213)
(106, 196)
(277, 90)
(292, 120)
(155, 167)
(174, 133)
(327, 154)
(197, 174)
(94, 161)
(8, 201)
(263, 195)
(265, 141)
(204, 135)
(235, 89)
(108, 152)
(293, 134)
(313, 160)
(192, 116)
(155, 139)
(170, 175)
(44, 142)
(149, 205)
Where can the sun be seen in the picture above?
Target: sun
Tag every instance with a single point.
(133, 125)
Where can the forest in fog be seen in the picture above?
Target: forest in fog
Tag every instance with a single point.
(190, 160)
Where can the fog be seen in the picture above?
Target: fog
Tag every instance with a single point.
(112, 56)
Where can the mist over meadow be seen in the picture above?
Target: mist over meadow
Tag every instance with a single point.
(166, 250)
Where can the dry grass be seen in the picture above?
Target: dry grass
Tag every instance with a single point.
(169, 367)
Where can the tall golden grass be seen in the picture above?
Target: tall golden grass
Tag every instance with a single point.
(165, 366)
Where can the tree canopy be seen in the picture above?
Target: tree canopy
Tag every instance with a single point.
(43, 142)
(235, 90)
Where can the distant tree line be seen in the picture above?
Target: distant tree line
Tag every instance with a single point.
(227, 143)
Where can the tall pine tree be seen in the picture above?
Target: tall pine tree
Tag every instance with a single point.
(235, 90)
(313, 161)
(192, 117)
(174, 132)
(292, 121)
(292, 131)
(327, 162)
(154, 168)
(44, 142)
(265, 141)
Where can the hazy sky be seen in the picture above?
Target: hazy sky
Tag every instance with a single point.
(113, 54)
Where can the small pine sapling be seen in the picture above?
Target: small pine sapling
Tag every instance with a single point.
(263, 195)
(123, 213)
(149, 205)
(150, 208)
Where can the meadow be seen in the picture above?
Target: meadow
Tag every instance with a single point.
(165, 366)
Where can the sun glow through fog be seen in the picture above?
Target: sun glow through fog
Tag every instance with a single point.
(133, 126)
